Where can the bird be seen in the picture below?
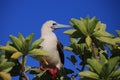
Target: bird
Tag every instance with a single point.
(50, 44)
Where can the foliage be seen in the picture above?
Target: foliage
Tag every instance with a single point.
(5, 67)
(102, 69)
(16, 51)
(88, 42)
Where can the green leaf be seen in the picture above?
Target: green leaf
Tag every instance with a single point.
(37, 43)
(37, 77)
(103, 27)
(102, 34)
(92, 24)
(103, 60)
(89, 74)
(79, 25)
(95, 65)
(2, 60)
(100, 26)
(113, 63)
(20, 36)
(30, 38)
(109, 67)
(118, 32)
(16, 55)
(70, 31)
(73, 41)
(117, 40)
(17, 42)
(116, 73)
(106, 40)
(27, 43)
(38, 52)
(73, 33)
(26, 46)
(8, 48)
(68, 48)
(88, 41)
(27, 68)
(82, 47)
(35, 71)
(75, 46)
(5, 76)
(6, 65)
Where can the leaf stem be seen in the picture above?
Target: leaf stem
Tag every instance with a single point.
(93, 51)
(83, 65)
(23, 74)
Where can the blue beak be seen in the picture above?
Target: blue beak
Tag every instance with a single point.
(61, 26)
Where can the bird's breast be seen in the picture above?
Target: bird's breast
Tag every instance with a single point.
(50, 45)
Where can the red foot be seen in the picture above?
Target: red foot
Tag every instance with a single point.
(42, 68)
(53, 72)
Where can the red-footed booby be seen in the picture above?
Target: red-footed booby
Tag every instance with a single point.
(51, 44)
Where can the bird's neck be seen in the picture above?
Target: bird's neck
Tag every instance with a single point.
(47, 34)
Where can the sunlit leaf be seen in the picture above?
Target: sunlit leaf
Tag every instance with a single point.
(118, 32)
(113, 62)
(117, 40)
(35, 71)
(70, 31)
(16, 55)
(109, 66)
(38, 52)
(95, 65)
(27, 43)
(8, 48)
(6, 65)
(106, 40)
(17, 42)
(68, 48)
(39, 75)
(37, 43)
(20, 36)
(100, 26)
(27, 68)
(88, 41)
(73, 33)
(92, 24)
(30, 38)
(79, 25)
(72, 40)
(5, 76)
(89, 74)
(102, 34)
(116, 73)
(103, 59)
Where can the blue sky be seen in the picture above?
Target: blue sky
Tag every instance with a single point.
(27, 16)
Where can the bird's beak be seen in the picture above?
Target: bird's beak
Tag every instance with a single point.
(61, 26)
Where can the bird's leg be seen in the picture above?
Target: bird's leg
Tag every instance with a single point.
(43, 60)
(53, 72)
(42, 68)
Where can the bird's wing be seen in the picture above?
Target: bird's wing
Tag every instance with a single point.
(60, 50)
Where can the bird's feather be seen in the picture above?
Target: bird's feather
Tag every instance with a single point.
(60, 50)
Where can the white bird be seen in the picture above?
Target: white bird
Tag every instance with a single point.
(52, 46)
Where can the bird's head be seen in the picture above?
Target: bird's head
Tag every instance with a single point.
(52, 25)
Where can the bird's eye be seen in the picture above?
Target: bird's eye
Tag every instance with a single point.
(54, 24)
